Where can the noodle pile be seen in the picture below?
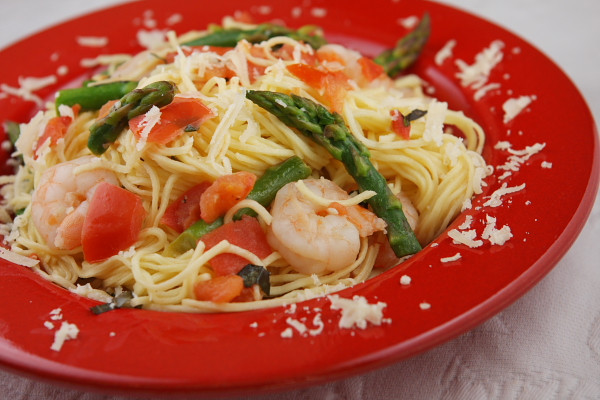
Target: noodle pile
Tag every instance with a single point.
(435, 169)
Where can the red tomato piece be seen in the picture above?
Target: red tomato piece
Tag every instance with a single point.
(174, 119)
(184, 211)
(370, 69)
(245, 233)
(105, 109)
(56, 129)
(113, 222)
(398, 125)
(308, 74)
(224, 193)
(220, 289)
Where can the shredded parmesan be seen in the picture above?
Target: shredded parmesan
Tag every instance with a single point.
(434, 125)
(496, 197)
(151, 118)
(92, 41)
(455, 257)
(357, 311)
(467, 238)
(514, 106)
(445, 52)
(17, 258)
(66, 332)
(477, 74)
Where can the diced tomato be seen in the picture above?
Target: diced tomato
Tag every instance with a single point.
(327, 54)
(113, 222)
(175, 117)
(312, 76)
(246, 295)
(245, 233)
(335, 83)
(398, 125)
(370, 69)
(105, 109)
(184, 211)
(220, 289)
(56, 129)
(225, 192)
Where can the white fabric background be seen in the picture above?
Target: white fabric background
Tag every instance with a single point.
(544, 346)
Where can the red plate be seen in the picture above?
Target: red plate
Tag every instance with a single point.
(235, 353)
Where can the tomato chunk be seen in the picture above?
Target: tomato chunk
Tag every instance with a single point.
(245, 233)
(220, 289)
(56, 129)
(113, 222)
(225, 192)
(184, 211)
(180, 114)
(370, 69)
(398, 125)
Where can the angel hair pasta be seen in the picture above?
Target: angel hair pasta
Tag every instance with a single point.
(209, 175)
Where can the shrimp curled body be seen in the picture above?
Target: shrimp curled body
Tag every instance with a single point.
(307, 236)
(60, 202)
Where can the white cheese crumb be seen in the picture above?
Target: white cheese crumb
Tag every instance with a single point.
(408, 22)
(297, 325)
(174, 19)
(49, 325)
(455, 257)
(151, 39)
(434, 124)
(287, 333)
(254, 325)
(467, 238)
(66, 332)
(92, 41)
(88, 291)
(151, 118)
(467, 222)
(56, 314)
(445, 52)
(405, 280)
(476, 75)
(496, 197)
(16, 258)
(482, 91)
(514, 106)
(466, 205)
(296, 12)
(318, 12)
(357, 311)
(424, 306)
(112, 334)
(546, 164)
(318, 323)
(62, 70)
(494, 235)
(265, 10)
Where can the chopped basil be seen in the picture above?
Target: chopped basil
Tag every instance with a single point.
(256, 275)
(119, 301)
(413, 115)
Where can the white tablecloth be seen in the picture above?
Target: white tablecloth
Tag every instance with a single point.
(544, 346)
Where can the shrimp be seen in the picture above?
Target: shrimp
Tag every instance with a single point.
(60, 202)
(313, 238)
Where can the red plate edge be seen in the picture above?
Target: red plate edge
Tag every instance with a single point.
(431, 335)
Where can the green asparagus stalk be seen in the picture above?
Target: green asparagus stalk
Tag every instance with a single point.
(407, 49)
(264, 191)
(329, 130)
(221, 37)
(274, 178)
(187, 239)
(93, 97)
(137, 102)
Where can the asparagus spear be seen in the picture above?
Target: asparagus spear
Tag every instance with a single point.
(94, 97)
(137, 102)
(264, 191)
(266, 187)
(329, 130)
(407, 49)
(229, 37)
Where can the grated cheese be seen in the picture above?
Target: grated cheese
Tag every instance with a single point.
(66, 332)
(477, 74)
(405, 280)
(357, 311)
(434, 124)
(445, 52)
(152, 39)
(467, 238)
(17, 258)
(424, 306)
(455, 257)
(514, 106)
(408, 22)
(92, 41)
(494, 235)
(151, 118)
(496, 197)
